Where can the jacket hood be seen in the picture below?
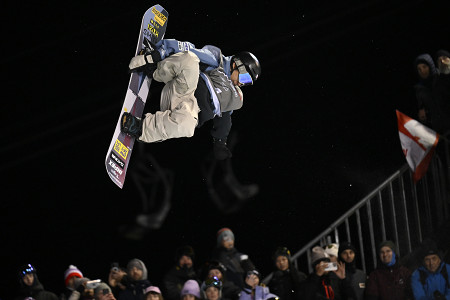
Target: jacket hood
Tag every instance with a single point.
(426, 59)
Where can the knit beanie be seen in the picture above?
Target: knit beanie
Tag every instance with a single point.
(389, 244)
(317, 255)
(224, 234)
(282, 251)
(332, 249)
(345, 246)
(139, 265)
(184, 251)
(190, 287)
(101, 287)
(72, 271)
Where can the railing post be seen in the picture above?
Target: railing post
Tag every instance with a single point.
(405, 209)
(394, 217)
(416, 205)
(383, 224)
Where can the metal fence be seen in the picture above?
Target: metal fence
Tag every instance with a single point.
(396, 210)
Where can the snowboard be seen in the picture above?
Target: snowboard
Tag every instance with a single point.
(153, 28)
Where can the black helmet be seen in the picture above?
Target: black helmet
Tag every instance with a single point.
(250, 62)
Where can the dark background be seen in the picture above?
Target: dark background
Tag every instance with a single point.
(317, 132)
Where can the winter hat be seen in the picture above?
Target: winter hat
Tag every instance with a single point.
(389, 244)
(138, 264)
(332, 249)
(254, 272)
(214, 264)
(212, 282)
(190, 287)
(72, 271)
(184, 251)
(345, 246)
(317, 255)
(101, 287)
(27, 269)
(224, 234)
(153, 289)
(282, 251)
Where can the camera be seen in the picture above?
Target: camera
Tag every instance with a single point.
(332, 266)
(93, 284)
(115, 267)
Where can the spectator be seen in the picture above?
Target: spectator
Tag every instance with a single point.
(153, 293)
(430, 281)
(332, 251)
(427, 74)
(441, 92)
(117, 279)
(103, 292)
(286, 279)
(70, 275)
(190, 290)
(236, 263)
(230, 291)
(30, 287)
(390, 280)
(319, 284)
(136, 281)
(254, 291)
(183, 271)
(354, 283)
(212, 289)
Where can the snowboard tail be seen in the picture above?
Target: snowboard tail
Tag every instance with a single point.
(153, 28)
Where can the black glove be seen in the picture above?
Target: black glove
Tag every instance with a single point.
(220, 149)
(145, 62)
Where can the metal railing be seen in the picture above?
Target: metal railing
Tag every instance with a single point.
(396, 210)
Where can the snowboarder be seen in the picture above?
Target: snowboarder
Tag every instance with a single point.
(200, 85)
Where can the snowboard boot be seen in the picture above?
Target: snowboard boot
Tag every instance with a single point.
(131, 125)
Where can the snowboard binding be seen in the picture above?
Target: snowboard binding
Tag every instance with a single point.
(131, 125)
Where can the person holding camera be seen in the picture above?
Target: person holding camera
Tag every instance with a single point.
(117, 278)
(430, 281)
(103, 292)
(135, 280)
(319, 284)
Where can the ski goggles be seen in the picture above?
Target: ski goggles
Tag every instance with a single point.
(244, 76)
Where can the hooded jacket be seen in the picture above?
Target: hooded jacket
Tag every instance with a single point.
(35, 291)
(135, 288)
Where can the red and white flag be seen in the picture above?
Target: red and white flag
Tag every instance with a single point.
(418, 144)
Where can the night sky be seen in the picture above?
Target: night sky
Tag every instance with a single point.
(316, 133)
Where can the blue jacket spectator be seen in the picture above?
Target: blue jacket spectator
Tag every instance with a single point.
(430, 281)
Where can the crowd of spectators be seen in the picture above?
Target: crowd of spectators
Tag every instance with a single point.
(231, 275)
